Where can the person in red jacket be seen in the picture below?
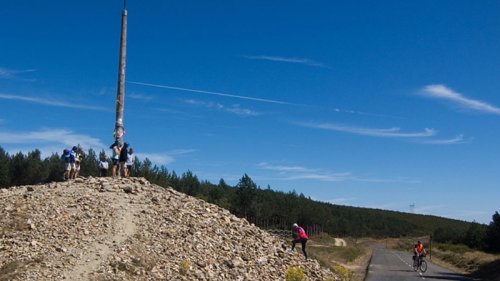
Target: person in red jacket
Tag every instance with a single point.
(301, 237)
(419, 250)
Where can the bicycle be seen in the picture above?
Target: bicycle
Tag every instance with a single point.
(420, 263)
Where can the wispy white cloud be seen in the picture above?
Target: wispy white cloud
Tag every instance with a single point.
(303, 173)
(386, 180)
(103, 91)
(319, 176)
(235, 109)
(44, 136)
(374, 132)
(210, 93)
(48, 141)
(460, 139)
(51, 102)
(214, 105)
(156, 158)
(285, 172)
(139, 97)
(182, 151)
(442, 92)
(287, 59)
(11, 74)
(282, 168)
(423, 137)
(163, 158)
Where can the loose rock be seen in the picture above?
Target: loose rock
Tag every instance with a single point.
(129, 229)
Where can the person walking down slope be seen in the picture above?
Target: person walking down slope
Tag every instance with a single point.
(130, 161)
(123, 160)
(300, 236)
(78, 159)
(115, 158)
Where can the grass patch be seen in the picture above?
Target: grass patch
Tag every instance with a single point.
(350, 254)
(350, 260)
(347, 254)
(463, 258)
(295, 274)
(454, 248)
(344, 273)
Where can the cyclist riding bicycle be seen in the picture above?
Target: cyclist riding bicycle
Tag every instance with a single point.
(419, 250)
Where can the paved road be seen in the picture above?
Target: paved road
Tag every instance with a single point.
(388, 265)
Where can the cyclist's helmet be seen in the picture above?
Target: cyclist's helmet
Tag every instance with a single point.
(295, 225)
(419, 242)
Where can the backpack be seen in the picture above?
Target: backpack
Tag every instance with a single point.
(72, 156)
(66, 155)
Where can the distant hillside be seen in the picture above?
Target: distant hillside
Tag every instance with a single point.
(273, 209)
(264, 207)
(384, 223)
(127, 229)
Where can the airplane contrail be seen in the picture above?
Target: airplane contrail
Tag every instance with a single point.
(211, 93)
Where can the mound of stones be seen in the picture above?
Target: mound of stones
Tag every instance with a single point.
(128, 229)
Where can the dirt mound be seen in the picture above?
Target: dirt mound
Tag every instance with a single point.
(128, 229)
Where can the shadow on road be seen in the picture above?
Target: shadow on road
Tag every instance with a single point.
(446, 276)
(402, 270)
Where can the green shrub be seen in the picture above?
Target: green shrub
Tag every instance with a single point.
(455, 248)
(295, 274)
(185, 266)
(352, 253)
(344, 273)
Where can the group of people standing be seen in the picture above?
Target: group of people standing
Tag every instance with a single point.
(122, 160)
(72, 160)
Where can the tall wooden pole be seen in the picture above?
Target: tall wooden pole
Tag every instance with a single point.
(120, 92)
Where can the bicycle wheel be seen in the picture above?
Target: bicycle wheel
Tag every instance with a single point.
(423, 266)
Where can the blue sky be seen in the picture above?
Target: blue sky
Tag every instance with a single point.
(376, 104)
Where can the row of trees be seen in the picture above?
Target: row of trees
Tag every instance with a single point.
(265, 207)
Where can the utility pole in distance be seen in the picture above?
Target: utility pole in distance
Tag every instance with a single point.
(120, 92)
